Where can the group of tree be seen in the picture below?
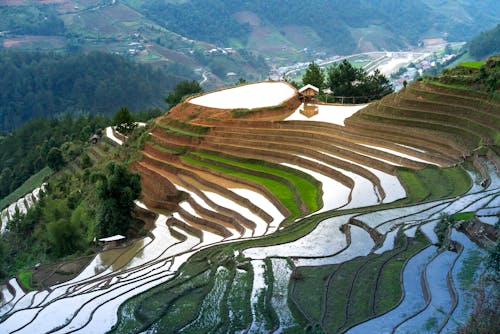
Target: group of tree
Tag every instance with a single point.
(34, 85)
(487, 43)
(181, 90)
(74, 211)
(43, 142)
(344, 80)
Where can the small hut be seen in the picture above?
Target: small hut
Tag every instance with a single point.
(308, 92)
(306, 95)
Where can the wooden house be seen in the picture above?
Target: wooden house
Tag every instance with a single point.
(308, 92)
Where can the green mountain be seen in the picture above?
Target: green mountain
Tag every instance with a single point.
(230, 39)
(35, 85)
(339, 26)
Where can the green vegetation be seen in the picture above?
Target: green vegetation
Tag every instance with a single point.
(314, 75)
(466, 216)
(302, 182)
(33, 182)
(282, 192)
(487, 43)
(181, 90)
(362, 287)
(244, 112)
(65, 221)
(50, 85)
(25, 279)
(434, 183)
(124, 121)
(224, 24)
(345, 80)
(117, 190)
(472, 64)
(182, 128)
(25, 151)
(469, 78)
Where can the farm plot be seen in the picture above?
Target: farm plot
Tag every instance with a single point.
(259, 95)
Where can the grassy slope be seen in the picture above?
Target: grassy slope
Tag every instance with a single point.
(33, 182)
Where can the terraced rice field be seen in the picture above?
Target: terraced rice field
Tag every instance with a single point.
(272, 223)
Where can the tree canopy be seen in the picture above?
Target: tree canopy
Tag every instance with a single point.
(124, 121)
(181, 90)
(116, 193)
(314, 76)
(35, 85)
(345, 80)
(486, 44)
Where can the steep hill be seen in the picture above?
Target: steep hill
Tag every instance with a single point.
(48, 85)
(339, 26)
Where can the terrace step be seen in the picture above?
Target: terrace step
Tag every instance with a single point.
(273, 151)
(209, 183)
(323, 139)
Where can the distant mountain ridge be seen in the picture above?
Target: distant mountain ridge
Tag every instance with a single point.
(340, 26)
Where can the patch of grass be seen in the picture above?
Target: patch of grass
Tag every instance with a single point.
(337, 294)
(389, 288)
(472, 64)
(415, 189)
(434, 183)
(284, 194)
(462, 216)
(308, 191)
(25, 279)
(33, 182)
(243, 112)
(183, 128)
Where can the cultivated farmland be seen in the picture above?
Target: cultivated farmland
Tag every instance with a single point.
(272, 223)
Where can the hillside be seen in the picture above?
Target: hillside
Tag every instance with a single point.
(226, 40)
(337, 26)
(358, 217)
(50, 85)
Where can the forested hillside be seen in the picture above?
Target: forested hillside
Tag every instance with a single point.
(337, 23)
(486, 44)
(34, 85)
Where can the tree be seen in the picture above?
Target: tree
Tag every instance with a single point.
(182, 89)
(345, 80)
(124, 121)
(55, 159)
(314, 76)
(116, 193)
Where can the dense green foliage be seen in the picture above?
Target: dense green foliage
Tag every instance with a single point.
(124, 121)
(333, 21)
(117, 190)
(61, 224)
(34, 85)
(345, 80)
(486, 44)
(314, 76)
(26, 150)
(186, 18)
(31, 20)
(485, 78)
(181, 90)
